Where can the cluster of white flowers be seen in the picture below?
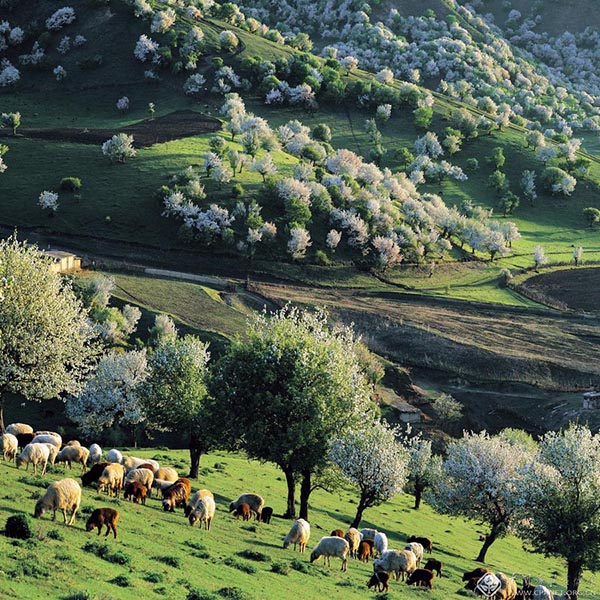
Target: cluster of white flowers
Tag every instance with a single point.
(146, 49)
(228, 40)
(119, 147)
(9, 74)
(64, 45)
(194, 84)
(123, 104)
(299, 95)
(34, 57)
(48, 201)
(298, 243)
(225, 80)
(60, 72)
(59, 19)
(10, 36)
(163, 21)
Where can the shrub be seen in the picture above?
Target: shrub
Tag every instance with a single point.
(102, 551)
(253, 555)
(280, 568)
(121, 581)
(300, 566)
(234, 593)
(55, 534)
(321, 258)
(70, 184)
(78, 596)
(154, 577)
(195, 594)
(19, 527)
(172, 561)
(240, 566)
(237, 191)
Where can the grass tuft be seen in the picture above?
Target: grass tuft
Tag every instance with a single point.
(254, 555)
(239, 565)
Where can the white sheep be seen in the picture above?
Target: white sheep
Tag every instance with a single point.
(17, 428)
(417, 549)
(62, 495)
(53, 452)
(112, 479)
(380, 544)
(368, 535)
(353, 538)
(299, 535)
(95, 454)
(37, 454)
(254, 501)
(133, 462)
(193, 501)
(166, 474)
(74, 454)
(331, 546)
(10, 444)
(400, 562)
(144, 476)
(76, 443)
(204, 512)
(47, 438)
(114, 456)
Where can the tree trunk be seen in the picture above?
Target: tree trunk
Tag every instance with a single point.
(418, 493)
(574, 569)
(290, 512)
(305, 490)
(362, 504)
(489, 540)
(196, 449)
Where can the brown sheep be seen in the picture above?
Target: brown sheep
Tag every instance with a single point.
(379, 579)
(24, 439)
(434, 565)
(177, 495)
(476, 573)
(146, 466)
(337, 533)
(425, 542)
(136, 491)
(101, 517)
(94, 473)
(365, 549)
(244, 511)
(421, 577)
(266, 514)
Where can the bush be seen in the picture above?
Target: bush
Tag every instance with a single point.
(234, 593)
(121, 581)
(70, 184)
(78, 596)
(19, 527)
(55, 534)
(321, 258)
(240, 566)
(300, 566)
(102, 551)
(237, 191)
(154, 578)
(91, 62)
(172, 561)
(253, 555)
(195, 594)
(280, 568)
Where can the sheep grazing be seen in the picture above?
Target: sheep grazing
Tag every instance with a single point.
(24, 438)
(476, 573)
(114, 456)
(204, 512)
(177, 494)
(244, 511)
(365, 550)
(47, 438)
(10, 445)
(434, 565)
(101, 517)
(75, 443)
(132, 462)
(508, 590)
(53, 453)
(380, 543)
(421, 577)
(94, 473)
(17, 428)
(74, 454)
(255, 501)
(528, 591)
(266, 514)
(331, 546)
(95, 454)
(144, 476)
(299, 535)
(52, 433)
(425, 542)
(193, 501)
(416, 549)
(337, 533)
(399, 562)
(352, 536)
(112, 479)
(167, 474)
(160, 485)
(135, 491)
(36, 454)
(379, 579)
(368, 534)
(62, 495)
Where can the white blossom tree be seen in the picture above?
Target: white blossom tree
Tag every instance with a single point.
(539, 257)
(265, 166)
(163, 331)
(48, 201)
(577, 254)
(420, 469)
(298, 243)
(119, 147)
(374, 461)
(480, 479)
(111, 395)
(559, 494)
(123, 104)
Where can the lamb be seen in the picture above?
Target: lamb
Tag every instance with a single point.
(434, 565)
(112, 479)
(10, 445)
(337, 533)
(204, 512)
(380, 543)
(37, 454)
(331, 546)
(177, 494)
(193, 501)
(299, 535)
(132, 462)
(352, 536)
(144, 476)
(421, 577)
(64, 495)
(95, 454)
(114, 456)
(74, 454)
(379, 579)
(103, 516)
(244, 511)
(94, 473)
(135, 491)
(17, 428)
(417, 549)
(47, 438)
(255, 501)
(266, 514)
(400, 562)
(365, 550)
(425, 542)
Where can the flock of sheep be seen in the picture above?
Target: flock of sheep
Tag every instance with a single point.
(138, 477)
